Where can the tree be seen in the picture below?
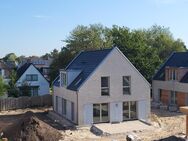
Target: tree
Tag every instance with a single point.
(60, 62)
(92, 37)
(13, 91)
(145, 48)
(10, 57)
(3, 87)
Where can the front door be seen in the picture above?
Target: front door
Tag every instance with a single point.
(100, 113)
(129, 110)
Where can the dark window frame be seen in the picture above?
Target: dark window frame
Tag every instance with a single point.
(105, 90)
(126, 86)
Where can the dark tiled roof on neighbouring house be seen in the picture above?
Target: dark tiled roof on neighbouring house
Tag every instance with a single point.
(177, 59)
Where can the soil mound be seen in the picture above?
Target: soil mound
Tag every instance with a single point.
(30, 128)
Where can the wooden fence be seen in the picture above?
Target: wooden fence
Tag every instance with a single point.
(11, 103)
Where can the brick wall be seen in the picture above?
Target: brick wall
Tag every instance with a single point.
(165, 95)
(181, 98)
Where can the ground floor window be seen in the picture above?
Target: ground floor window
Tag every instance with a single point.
(129, 110)
(56, 101)
(34, 91)
(173, 99)
(64, 106)
(72, 111)
(100, 113)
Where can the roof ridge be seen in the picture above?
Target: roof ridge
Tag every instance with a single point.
(102, 49)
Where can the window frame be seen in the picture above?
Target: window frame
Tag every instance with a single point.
(64, 107)
(124, 86)
(31, 77)
(63, 78)
(173, 97)
(105, 88)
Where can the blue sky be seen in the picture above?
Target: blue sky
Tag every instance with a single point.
(34, 27)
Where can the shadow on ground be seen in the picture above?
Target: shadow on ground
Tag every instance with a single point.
(172, 138)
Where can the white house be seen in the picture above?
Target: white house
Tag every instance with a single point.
(101, 86)
(30, 75)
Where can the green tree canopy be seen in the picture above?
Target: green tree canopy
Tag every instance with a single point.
(10, 57)
(145, 48)
(3, 87)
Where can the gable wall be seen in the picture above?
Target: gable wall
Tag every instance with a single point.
(42, 82)
(115, 66)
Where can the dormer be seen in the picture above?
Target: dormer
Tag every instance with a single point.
(171, 74)
(68, 76)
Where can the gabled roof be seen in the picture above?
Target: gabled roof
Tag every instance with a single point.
(24, 67)
(86, 62)
(177, 59)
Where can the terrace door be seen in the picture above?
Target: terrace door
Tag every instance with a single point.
(100, 113)
(129, 110)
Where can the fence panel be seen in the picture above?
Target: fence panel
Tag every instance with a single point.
(11, 103)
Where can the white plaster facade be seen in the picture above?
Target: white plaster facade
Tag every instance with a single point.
(42, 83)
(115, 66)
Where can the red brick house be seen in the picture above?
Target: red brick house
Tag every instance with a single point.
(170, 83)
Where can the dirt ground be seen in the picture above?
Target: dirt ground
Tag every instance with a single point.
(168, 126)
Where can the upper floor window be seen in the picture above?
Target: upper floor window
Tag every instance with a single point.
(126, 85)
(63, 79)
(105, 83)
(172, 74)
(32, 77)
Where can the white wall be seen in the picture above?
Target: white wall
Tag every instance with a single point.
(115, 66)
(71, 75)
(116, 113)
(42, 82)
(70, 96)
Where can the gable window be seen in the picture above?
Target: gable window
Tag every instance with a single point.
(63, 79)
(32, 77)
(126, 85)
(105, 82)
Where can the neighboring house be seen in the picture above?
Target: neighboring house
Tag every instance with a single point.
(101, 86)
(29, 74)
(42, 64)
(4, 71)
(170, 83)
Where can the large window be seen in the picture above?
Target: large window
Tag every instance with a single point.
(64, 106)
(126, 85)
(32, 77)
(100, 113)
(105, 82)
(129, 110)
(173, 98)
